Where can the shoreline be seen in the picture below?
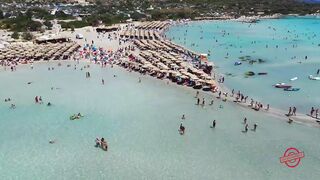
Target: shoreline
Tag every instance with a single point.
(275, 112)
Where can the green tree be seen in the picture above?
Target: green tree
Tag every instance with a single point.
(48, 24)
(27, 36)
(1, 14)
(15, 35)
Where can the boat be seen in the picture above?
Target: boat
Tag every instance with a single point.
(293, 79)
(249, 73)
(197, 86)
(237, 63)
(262, 73)
(314, 77)
(291, 89)
(282, 85)
(206, 88)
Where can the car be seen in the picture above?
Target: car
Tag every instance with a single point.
(79, 36)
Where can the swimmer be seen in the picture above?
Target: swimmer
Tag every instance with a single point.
(183, 117)
(290, 121)
(13, 106)
(211, 103)
(49, 104)
(139, 80)
(29, 82)
(98, 143)
(52, 141)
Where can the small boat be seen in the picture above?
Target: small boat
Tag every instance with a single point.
(291, 89)
(314, 77)
(293, 79)
(249, 73)
(237, 63)
(282, 85)
(262, 73)
(197, 86)
(206, 88)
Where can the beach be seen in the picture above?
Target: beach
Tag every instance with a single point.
(134, 97)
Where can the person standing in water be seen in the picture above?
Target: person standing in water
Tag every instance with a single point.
(318, 72)
(213, 124)
(183, 117)
(254, 127)
(203, 102)
(245, 128)
(102, 81)
(211, 103)
(197, 94)
(198, 101)
(290, 111)
(294, 111)
(181, 129)
(311, 112)
(245, 120)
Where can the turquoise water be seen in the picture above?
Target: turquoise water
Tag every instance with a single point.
(295, 37)
(140, 122)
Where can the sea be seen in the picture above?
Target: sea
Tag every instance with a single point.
(140, 121)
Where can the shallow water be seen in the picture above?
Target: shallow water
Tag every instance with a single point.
(243, 39)
(140, 122)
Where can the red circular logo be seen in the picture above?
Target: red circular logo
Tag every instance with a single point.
(292, 157)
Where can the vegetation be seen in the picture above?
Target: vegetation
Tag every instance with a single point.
(21, 23)
(15, 35)
(48, 24)
(27, 36)
(93, 20)
(109, 12)
(1, 14)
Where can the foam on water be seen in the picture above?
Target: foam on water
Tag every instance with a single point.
(140, 122)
